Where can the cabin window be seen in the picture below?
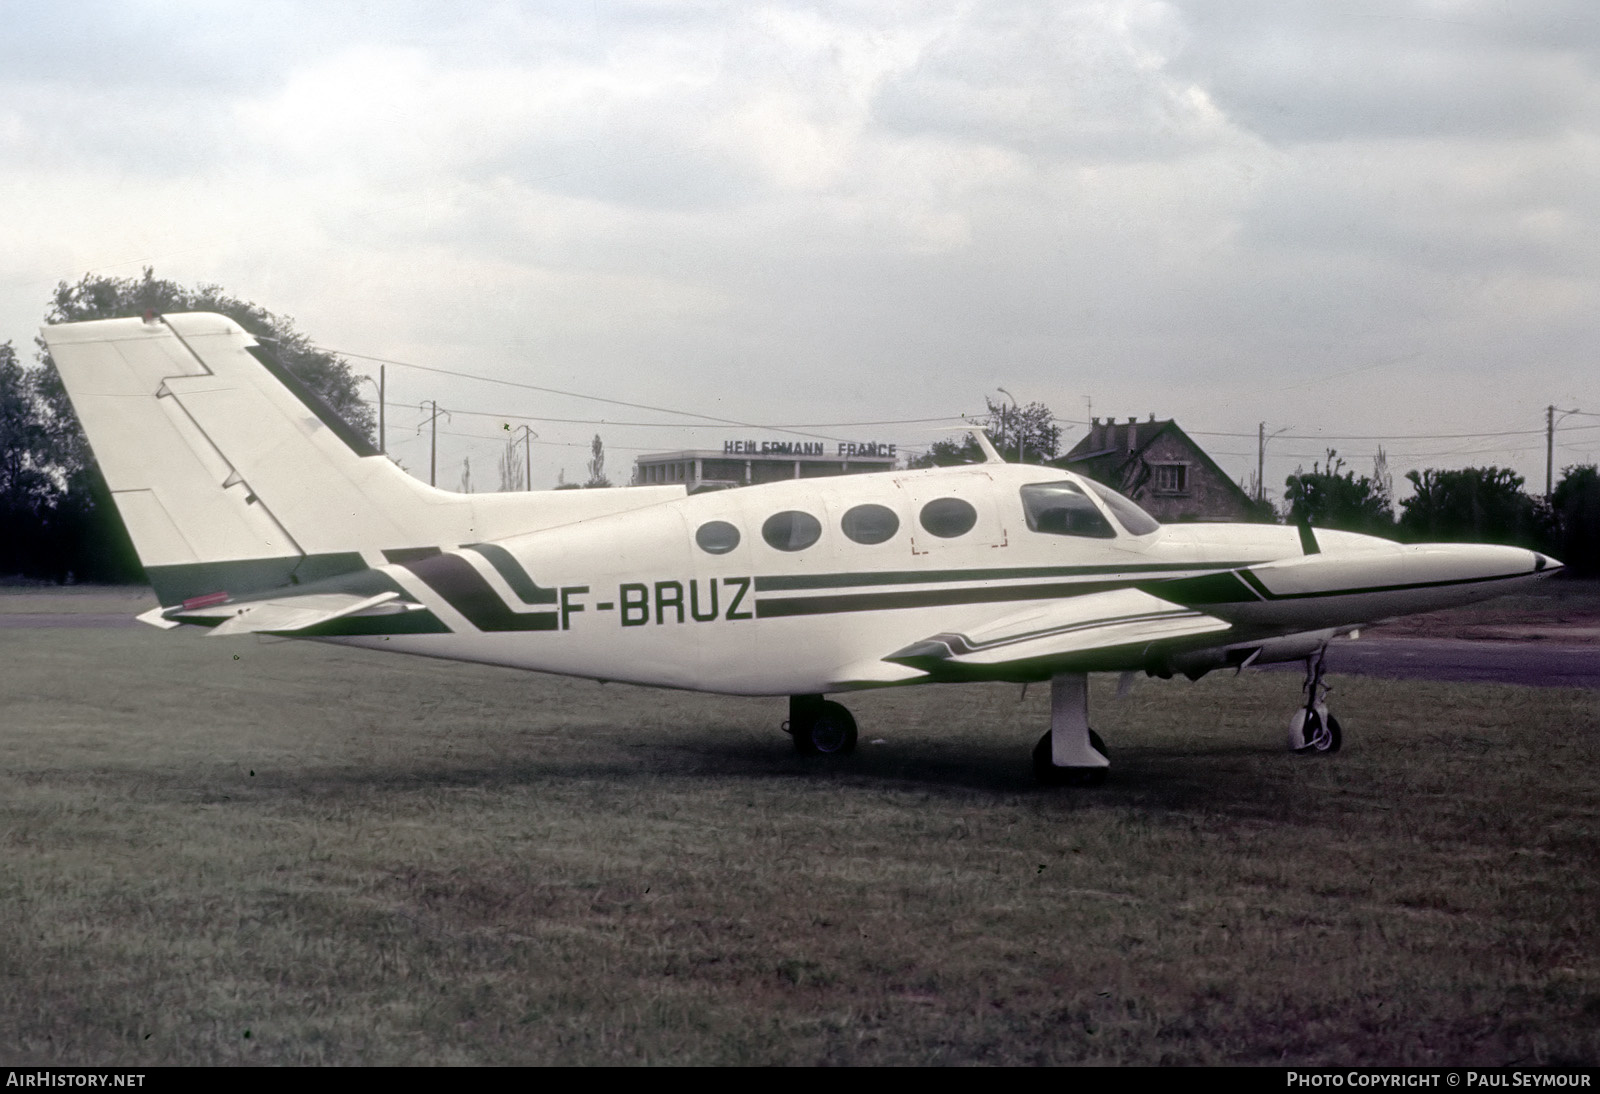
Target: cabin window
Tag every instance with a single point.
(870, 524)
(717, 537)
(948, 517)
(791, 530)
(1062, 509)
(1133, 518)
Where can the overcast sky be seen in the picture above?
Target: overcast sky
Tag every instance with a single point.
(1351, 219)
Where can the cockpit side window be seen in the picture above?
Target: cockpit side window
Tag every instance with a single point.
(1133, 518)
(1062, 509)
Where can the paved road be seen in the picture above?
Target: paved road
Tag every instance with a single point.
(35, 620)
(1538, 664)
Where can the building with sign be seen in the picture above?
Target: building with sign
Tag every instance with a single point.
(743, 463)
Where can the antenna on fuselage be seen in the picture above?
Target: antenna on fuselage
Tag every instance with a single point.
(989, 454)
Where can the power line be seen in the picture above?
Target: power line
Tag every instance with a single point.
(708, 421)
(571, 394)
(679, 425)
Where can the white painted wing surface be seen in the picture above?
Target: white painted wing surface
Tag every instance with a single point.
(1061, 631)
(285, 615)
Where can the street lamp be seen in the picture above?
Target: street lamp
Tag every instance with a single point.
(379, 383)
(1017, 413)
(1261, 459)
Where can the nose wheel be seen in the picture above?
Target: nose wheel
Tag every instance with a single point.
(1312, 728)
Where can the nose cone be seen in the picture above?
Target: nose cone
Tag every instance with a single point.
(1544, 565)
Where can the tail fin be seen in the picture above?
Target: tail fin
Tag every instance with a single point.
(232, 478)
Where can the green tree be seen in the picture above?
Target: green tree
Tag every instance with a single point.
(1470, 504)
(1575, 506)
(1031, 428)
(949, 453)
(1034, 425)
(327, 374)
(27, 492)
(1336, 498)
(74, 530)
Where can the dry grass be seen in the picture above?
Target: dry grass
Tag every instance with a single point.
(318, 855)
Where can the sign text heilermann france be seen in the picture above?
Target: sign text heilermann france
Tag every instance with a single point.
(847, 449)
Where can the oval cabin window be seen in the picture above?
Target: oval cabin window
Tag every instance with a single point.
(791, 530)
(870, 524)
(717, 537)
(948, 517)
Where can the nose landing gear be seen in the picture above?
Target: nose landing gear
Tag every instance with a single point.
(1312, 728)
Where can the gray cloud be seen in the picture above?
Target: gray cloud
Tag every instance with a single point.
(1309, 71)
(1350, 217)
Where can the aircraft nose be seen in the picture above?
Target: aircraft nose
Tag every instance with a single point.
(1545, 565)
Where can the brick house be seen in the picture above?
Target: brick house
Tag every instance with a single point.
(1159, 466)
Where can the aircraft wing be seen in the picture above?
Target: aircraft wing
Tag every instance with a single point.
(282, 615)
(1096, 632)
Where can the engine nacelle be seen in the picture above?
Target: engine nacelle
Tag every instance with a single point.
(1267, 651)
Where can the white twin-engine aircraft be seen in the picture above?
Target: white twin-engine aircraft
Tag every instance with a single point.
(256, 509)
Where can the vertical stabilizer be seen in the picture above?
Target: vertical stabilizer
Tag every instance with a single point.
(232, 478)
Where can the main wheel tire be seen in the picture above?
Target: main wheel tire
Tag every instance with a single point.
(1048, 773)
(831, 731)
(1321, 736)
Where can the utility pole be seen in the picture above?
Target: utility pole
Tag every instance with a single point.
(433, 448)
(527, 456)
(1261, 461)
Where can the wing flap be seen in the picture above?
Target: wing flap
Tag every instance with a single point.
(1062, 636)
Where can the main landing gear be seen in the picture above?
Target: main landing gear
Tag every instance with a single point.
(820, 727)
(1070, 754)
(1312, 728)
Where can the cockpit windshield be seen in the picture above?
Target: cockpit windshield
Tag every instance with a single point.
(1133, 518)
(1062, 509)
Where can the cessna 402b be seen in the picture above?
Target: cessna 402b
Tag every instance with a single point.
(255, 509)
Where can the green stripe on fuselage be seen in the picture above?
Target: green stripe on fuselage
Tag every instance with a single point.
(506, 565)
(786, 582)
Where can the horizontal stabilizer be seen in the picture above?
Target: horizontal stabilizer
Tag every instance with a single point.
(1066, 635)
(156, 617)
(285, 615)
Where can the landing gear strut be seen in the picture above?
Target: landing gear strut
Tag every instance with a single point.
(1312, 728)
(1070, 754)
(820, 727)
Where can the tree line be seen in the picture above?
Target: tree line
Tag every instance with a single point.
(58, 523)
(1461, 505)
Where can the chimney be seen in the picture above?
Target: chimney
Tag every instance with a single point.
(1096, 435)
(1133, 434)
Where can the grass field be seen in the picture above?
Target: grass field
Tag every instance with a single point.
(217, 850)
